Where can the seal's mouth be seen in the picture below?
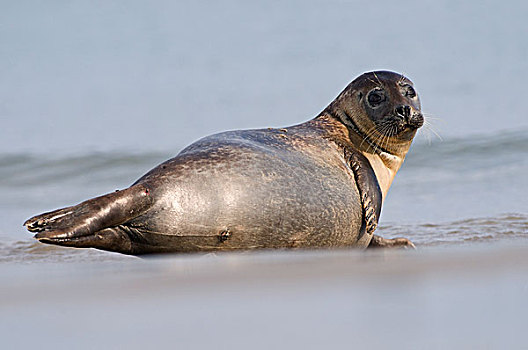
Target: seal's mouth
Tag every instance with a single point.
(396, 124)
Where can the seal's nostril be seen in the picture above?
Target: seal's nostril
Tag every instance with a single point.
(403, 111)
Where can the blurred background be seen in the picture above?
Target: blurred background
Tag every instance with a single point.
(136, 76)
(95, 93)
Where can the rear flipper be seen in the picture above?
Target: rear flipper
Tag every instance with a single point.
(91, 216)
(121, 239)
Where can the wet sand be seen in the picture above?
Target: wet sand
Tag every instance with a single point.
(435, 298)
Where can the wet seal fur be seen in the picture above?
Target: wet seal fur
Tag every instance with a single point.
(313, 185)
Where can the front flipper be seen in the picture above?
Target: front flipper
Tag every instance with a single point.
(380, 242)
(369, 192)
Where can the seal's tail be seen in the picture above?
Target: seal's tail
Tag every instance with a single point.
(72, 223)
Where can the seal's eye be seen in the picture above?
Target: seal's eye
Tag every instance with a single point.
(376, 97)
(408, 91)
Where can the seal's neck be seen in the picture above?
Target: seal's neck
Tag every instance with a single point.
(384, 163)
(385, 166)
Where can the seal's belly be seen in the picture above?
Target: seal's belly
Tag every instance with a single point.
(259, 200)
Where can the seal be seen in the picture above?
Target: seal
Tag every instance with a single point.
(319, 184)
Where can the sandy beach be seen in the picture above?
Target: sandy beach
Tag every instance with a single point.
(432, 298)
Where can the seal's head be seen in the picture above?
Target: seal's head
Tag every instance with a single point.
(382, 108)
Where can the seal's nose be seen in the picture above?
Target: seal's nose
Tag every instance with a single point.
(416, 120)
(413, 119)
(403, 111)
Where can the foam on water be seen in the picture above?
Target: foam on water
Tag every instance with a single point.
(504, 229)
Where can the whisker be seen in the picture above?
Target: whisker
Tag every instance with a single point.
(378, 136)
(426, 133)
(381, 129)
(429, 127)
(384, 132)
(388, 136)
(377, 78)
(373, 81)
(402, 78)
(372, 131)
(367, 136)
(430, 117)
